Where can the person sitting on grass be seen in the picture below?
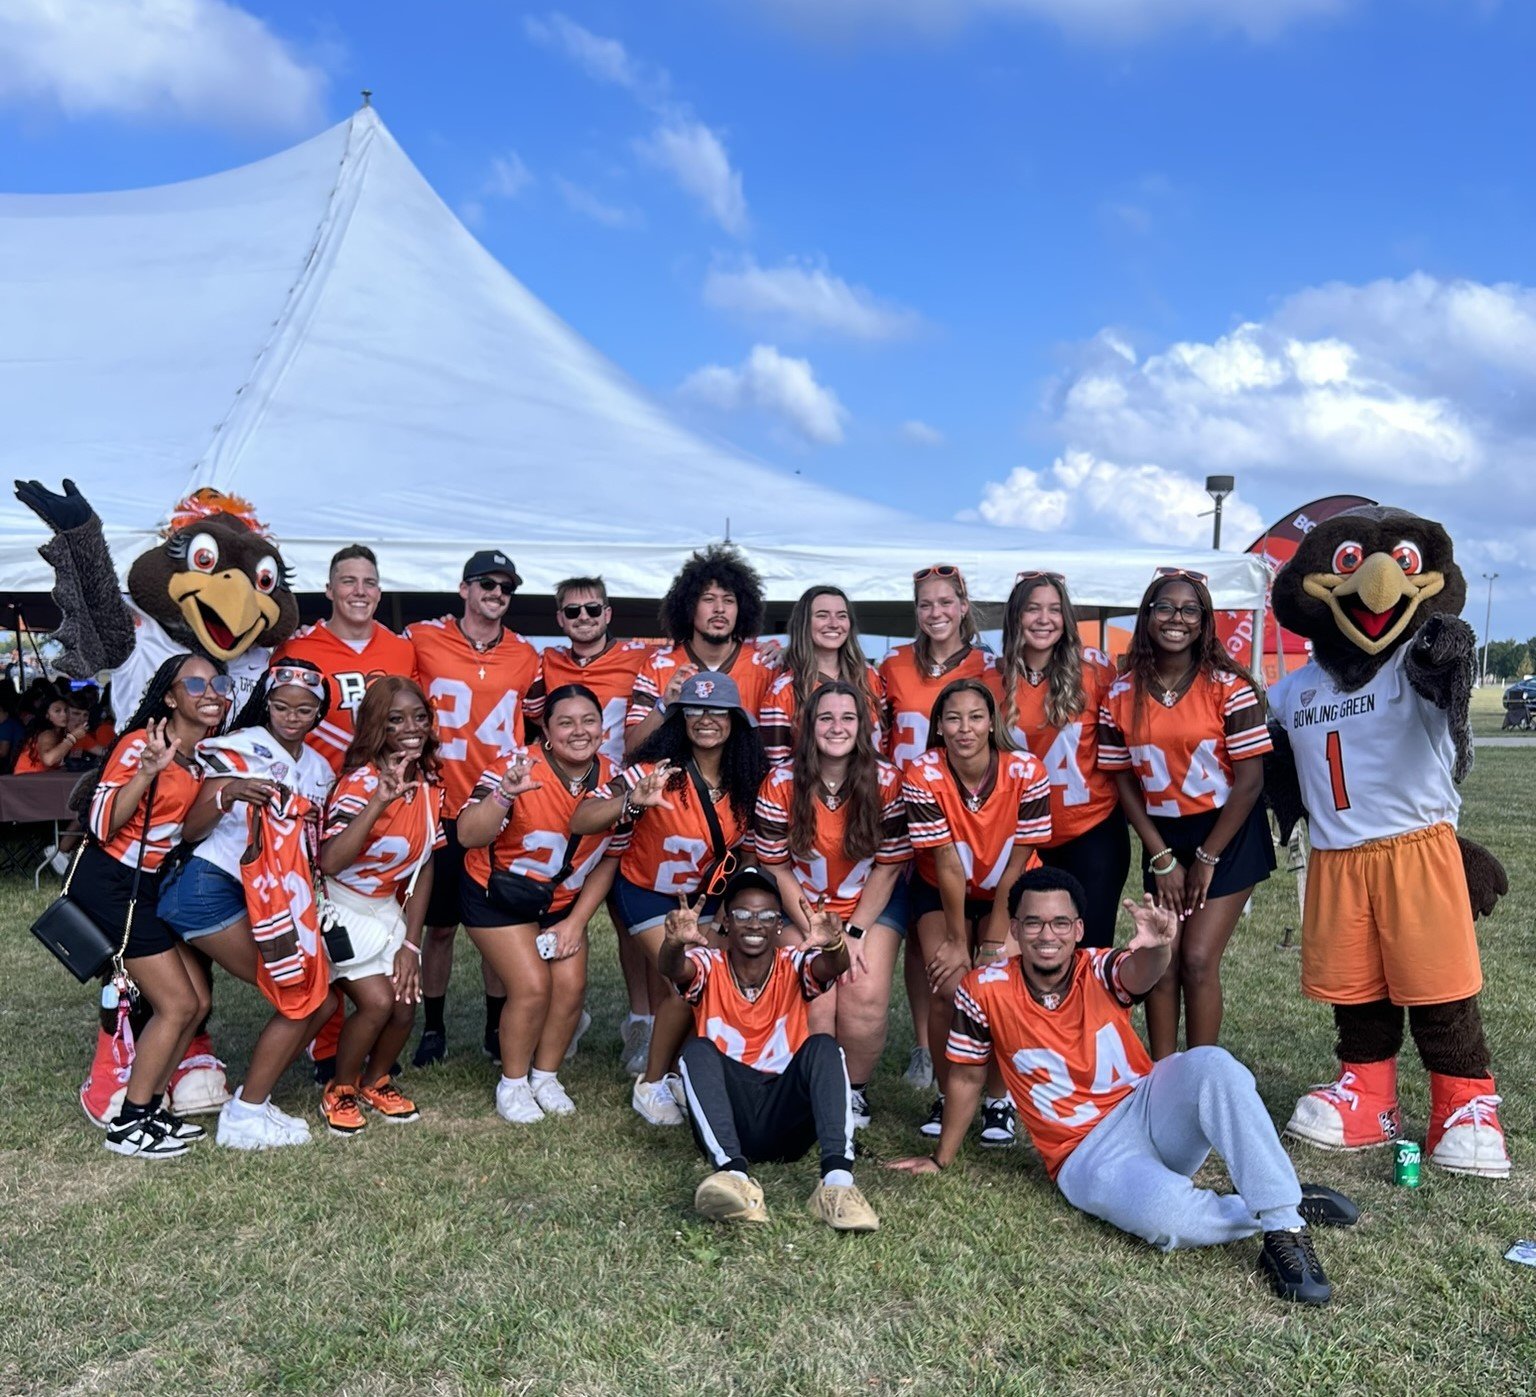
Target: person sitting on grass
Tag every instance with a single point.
(759, 1086)
(1122, 1136)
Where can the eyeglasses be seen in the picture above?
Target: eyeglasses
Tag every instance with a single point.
(1038, 926)
(937, 570)
(692, 710)
(1029, 575)
(1166, 611)
(196, 686)
(721, 875)
(491, 584)
(744, 917)
(1188, 574)
(583, 608)
(301, 675)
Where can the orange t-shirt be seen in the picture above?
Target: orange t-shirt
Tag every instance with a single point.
(175, 790)
(476, 698)
(537, 829)
(28, 761)
(610, 675)
(1015, 808)
(748, 667)
(397, 843)
(1082, 794)
(668, 851)
(1066, 1068)
(910, 695)
(349, 670)
(1183, 755)
(781, 714)
(764, 1032)
(827, 870)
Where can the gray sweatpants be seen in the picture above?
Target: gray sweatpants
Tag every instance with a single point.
(1136, 1166)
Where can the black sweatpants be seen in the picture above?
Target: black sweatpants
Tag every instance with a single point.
(740, 1115)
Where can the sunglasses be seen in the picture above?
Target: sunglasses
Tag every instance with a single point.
(720, 875)
(196, 686)
(301, 675)
(491, 584)
(937, 570)
(1189, 574)
(593, 609)
(699, 710)
(745, 917)
(1030, 574)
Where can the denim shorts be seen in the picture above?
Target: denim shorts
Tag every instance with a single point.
(640, 909)
(200, 899)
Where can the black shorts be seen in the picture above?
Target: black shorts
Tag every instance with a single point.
(1100, 859)
(926, 899)
(1249, 859)
(447, 866)
(102, 887)
(477, 910)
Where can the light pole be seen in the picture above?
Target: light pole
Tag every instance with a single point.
(1218, 487)
(1490, 578)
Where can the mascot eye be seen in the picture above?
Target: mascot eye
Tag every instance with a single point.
(1407, 556)
(266, 572)
(203, 553)
(1347, 557)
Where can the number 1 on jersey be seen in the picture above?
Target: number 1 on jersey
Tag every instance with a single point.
(1334, 751)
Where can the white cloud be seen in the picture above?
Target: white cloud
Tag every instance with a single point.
(919, 433)
(187, 60)
(602, 59)
(774, 383)
(506, 178)
(804, 299)
(588, 205)
(696, 159)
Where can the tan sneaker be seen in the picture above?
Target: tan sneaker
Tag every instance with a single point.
(844, 1208)
(723, 1197)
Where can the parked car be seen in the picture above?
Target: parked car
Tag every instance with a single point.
(1520, 703)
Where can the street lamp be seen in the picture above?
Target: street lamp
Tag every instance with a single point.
(1490, 578)
(1218, 487)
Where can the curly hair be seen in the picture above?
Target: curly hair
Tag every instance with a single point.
(1064, 695)
(742, 764)
(922, 647)
(724, 566)
(861, 830)
(999, 735)
(256, 714)
(800, 656)
(370, 732)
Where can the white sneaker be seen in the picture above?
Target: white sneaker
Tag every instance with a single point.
(294, 1125)
(516, 1104)
(919, 1071)
(552, 1098)
(637, 1046)
(860, 1110)
(581, 1027)
(655, 1103)
(246, 1129)
(674, 1084)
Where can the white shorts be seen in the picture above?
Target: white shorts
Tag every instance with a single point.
(374, 922)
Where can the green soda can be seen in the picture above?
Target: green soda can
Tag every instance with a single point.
(1405, 1164)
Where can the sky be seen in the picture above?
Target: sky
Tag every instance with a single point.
(1041, 263)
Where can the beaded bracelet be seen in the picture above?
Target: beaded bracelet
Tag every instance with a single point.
(1167, 867)
(1210, 860)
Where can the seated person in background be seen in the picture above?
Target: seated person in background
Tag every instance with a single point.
(50, 737)
(1122, 1136)
(759, 1087)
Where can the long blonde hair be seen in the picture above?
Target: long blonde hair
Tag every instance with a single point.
(1065, 697)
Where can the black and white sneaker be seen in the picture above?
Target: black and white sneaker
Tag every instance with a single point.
(1290, 1265)
(860, 1109)
(178, 1127)
(491, 1045)
(999, 1125)
(143, 1138)
(1323, 1207)
(933, 1127)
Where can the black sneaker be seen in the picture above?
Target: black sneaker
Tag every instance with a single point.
(1290, 1265)
(143, 1138)
(431, 1050)
(491, 1043)
(177, 1127)
(933, 1127)
(325, 1071)
(1322, 1207)
(999, 1125)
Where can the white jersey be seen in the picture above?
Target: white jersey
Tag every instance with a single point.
(152, 647)
(255, 752)
(1373, 763)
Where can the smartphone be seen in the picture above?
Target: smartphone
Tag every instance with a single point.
(545, 942)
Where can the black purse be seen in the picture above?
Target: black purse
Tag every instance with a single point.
(723, 860)
(73, 935)
(526, 899)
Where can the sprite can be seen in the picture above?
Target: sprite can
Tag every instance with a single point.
(1405, 1164)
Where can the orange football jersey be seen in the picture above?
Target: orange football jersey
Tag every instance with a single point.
(668, 851)
(398, 838)
(610, 675)
(537, 829)
(781, 714)
(349, 670)
(175, 789)
(826, 870)
(1082, 794)
(910, 695)
(1183, 755)
(476, 697)
(1015, 809)
(764, 1032)
(748, 667)
(1066, 1068)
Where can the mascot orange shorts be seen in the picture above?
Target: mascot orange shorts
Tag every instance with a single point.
(1390, 919)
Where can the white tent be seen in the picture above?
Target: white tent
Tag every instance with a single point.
(318, 332)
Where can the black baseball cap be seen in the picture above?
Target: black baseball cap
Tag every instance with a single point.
(489, 560)
(747, 878)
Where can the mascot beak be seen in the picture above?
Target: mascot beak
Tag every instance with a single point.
(1373, 605)
(224, 609)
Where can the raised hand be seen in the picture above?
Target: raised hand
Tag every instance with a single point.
(1156, 926)
(159, 750)
(651, 789)
(518, 780)
(59, 512)
(682, 928)
(392, 782)
(823, 927)
(680, 676)
(771, 653)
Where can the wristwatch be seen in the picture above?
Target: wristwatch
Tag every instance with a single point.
(853, 933)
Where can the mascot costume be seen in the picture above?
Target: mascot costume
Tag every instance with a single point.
(1371, 738)
(216, 587)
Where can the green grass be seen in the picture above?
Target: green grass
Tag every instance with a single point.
(463, 1255)
(1488, 714)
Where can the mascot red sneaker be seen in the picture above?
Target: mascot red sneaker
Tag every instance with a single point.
(1371, 739)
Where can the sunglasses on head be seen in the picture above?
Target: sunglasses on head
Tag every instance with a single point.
(492, 584)
(594, 609)
(196, 686)
(301, 675)
(1029, 575)
(937, 570)
(1189, 574)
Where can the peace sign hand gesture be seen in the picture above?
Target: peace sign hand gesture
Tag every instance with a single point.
(651, 789)
(823, 927)
(158, 751)
(518, 780)
(1156, 926)
(682, 926)
(392, 782)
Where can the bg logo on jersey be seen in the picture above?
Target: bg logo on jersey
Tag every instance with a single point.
(352, 685)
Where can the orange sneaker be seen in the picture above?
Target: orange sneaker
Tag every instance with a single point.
(389, 1101)
(106, 1084)
(339, 1107)
(1357, 1112)
(1465, 1136)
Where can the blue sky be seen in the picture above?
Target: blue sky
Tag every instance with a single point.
(1047, 262)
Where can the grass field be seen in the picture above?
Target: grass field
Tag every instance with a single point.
(461, 1255)
(1488, 714)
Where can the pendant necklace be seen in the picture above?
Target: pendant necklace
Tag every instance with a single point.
(1035, 677)
(574, 784)
(1171, 695)
(833, 793)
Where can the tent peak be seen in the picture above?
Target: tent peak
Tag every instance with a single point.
(367, 97)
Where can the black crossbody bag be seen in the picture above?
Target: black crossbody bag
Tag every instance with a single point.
(723, 860)
(526, 899)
